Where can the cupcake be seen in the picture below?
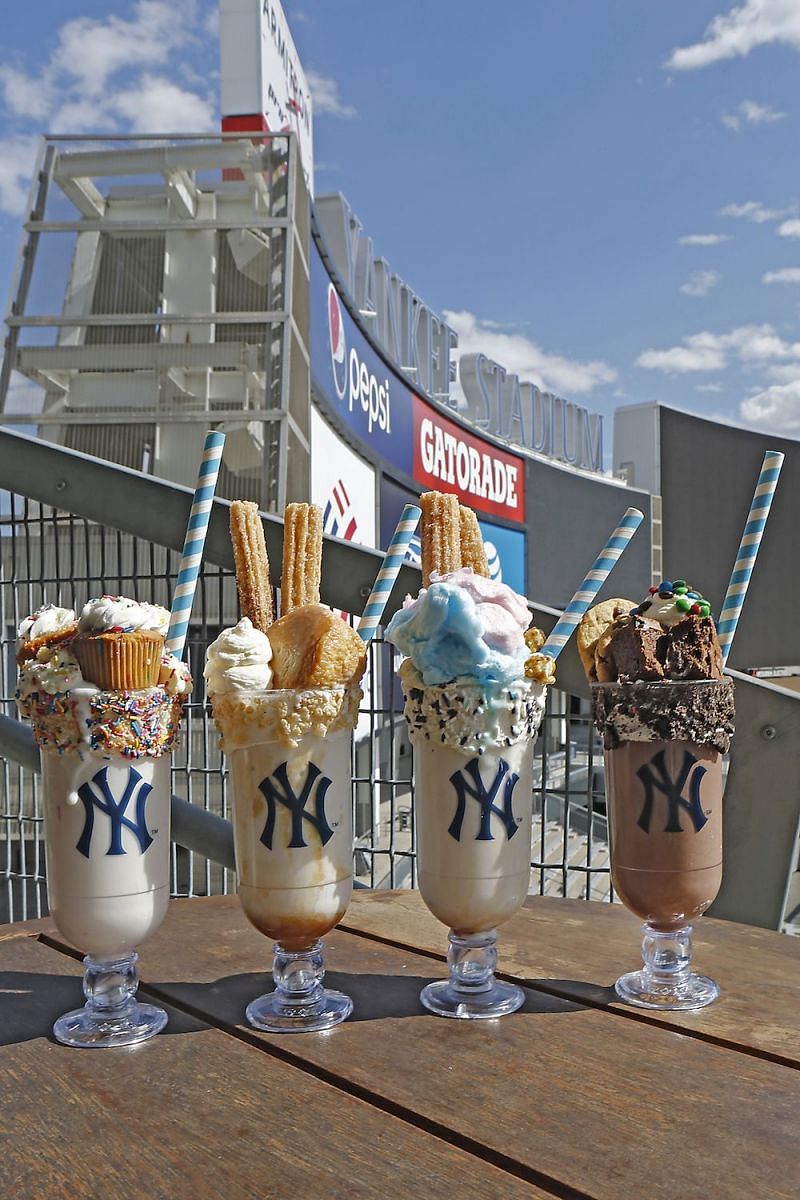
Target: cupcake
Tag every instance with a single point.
(47, 627)
(120, 643)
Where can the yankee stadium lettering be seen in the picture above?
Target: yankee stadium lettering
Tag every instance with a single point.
(276, 789)
(655, 777)
(104, 801)
(485, 798)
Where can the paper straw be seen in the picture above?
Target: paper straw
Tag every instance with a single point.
(595, 578)
(196, 530)
(392, 562)
(748, 550)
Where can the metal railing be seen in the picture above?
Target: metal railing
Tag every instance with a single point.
(73, 526)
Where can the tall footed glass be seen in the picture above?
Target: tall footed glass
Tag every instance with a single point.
(289, 755)
(473, 768)
(106, 777)
(664, 796)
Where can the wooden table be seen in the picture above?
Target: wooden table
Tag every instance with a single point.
(575, 1096)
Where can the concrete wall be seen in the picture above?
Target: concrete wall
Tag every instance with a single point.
(708, 473)
(569, 517)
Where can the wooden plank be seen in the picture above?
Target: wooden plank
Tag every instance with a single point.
(577, 950)
(192, 1113)
(604, 1106)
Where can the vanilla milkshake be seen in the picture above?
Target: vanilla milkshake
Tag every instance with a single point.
(472, 715)
(106, 772)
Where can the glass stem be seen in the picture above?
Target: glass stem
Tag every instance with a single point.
(472, 960)
(109, 985)
(667, 956)
(298, 976)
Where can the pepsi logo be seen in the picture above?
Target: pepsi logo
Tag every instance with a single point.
(337, 341)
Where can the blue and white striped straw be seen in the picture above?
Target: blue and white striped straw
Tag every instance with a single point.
(196, 530)
(392, 562)
(748, 550)
(595, 578)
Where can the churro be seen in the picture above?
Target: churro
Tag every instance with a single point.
(302, 556)
(473, 551)
(252, 564)
(440, 534)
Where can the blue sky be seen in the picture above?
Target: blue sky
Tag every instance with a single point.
(602, 194)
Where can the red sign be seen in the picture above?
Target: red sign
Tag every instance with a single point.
(448, 459)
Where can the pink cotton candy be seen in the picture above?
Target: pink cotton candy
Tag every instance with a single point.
(502, 611)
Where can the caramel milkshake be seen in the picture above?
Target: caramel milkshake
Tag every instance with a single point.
(285, 698)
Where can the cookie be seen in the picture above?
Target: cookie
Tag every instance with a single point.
(593, 624)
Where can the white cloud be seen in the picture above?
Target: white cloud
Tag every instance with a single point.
(520, 356)
(733, 35)
(26, 95)
(785, 275)
(704, 239)
(157, 105)
(785, 372)
(790, 229)
(325, 96)
(708, 387)
(751, 112)
(755, 211)
(700, 283)
(17, 156)
(711, 351)
(777, 407)
(90, 51)
(105, 74)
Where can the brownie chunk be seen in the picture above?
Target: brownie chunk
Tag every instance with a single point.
(638, 649)
(693, 650)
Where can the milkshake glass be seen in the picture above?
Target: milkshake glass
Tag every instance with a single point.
(663, 747)
(106, 777)
(473, 768)
(289, 756)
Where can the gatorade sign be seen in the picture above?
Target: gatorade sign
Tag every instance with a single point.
(449, 459)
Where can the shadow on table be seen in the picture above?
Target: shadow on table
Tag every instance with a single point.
(575, 989)
(375, 997)
(31, 1001)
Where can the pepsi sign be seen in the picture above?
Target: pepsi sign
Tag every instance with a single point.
(354, 382)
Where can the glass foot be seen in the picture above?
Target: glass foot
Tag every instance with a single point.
(666, 981)
(637, 987)
(299, 1004)
(84, 1027)
(274, 1015)
(472, 992)
(111, 1015)
(448, 1001)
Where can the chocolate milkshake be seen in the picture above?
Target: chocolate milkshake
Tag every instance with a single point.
(666, 716)
(665, 793)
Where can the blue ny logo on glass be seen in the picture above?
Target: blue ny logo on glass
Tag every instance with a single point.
(655, 777)
(103, 800)
(276, 789)
(468, 783)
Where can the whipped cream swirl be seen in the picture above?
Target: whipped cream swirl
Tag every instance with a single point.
(238, 660)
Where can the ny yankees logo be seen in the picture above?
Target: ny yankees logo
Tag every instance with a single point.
(659, 780)
(104, 800)
(276, 789)
(485, 799)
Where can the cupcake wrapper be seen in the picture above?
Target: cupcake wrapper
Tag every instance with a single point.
(118, 662)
